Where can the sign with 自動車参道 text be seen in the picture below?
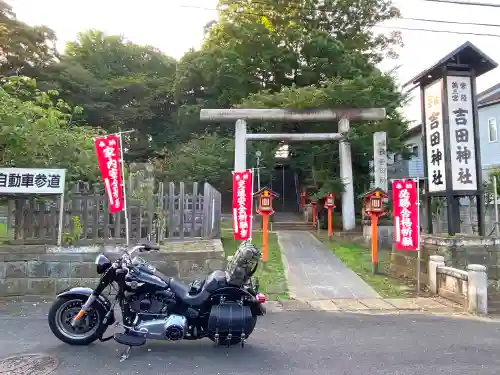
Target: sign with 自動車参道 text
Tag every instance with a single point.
(32, 181)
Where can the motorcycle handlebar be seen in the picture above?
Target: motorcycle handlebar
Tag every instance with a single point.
(134, 249)
(142, 247)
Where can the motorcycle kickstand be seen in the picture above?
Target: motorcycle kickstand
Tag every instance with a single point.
(126, 354)
(243, 336)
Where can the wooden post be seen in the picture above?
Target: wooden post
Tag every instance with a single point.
(172, 218)
(313, 206)
(265, 238)
(374, 243)
(194, 211)
(182, 210)
(330, 222)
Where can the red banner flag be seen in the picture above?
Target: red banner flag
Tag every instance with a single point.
(108, 157)
(242, 205)
(406, 217)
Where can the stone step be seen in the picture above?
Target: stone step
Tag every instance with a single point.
(290, 225)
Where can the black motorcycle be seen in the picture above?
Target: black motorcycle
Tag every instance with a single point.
(224, 307)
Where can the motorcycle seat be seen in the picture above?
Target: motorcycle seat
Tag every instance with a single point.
(214, 281)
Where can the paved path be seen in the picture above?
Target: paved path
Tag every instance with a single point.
(314, 273)
(286, 343)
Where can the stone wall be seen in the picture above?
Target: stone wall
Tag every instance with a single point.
(458, 252)
(452, 284)
(385, 233)
(468, 288)
(39, 270)
(405, 264)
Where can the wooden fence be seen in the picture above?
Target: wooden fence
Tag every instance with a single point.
(174, 211)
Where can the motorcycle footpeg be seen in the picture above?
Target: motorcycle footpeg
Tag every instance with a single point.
(129, 340)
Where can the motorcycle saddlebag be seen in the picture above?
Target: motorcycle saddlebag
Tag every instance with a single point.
(230, 318)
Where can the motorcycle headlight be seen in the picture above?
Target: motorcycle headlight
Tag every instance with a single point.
(102, 263)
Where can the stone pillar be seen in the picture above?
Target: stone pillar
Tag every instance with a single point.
(348, 213)
(435, 261)
(477, 289)
(240, 146)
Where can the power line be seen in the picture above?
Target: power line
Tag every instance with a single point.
(438, 31)
(460, 2)
(397, 28)
(450, 22)
(297, 7)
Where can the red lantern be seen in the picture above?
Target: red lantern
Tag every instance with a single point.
(330, 201)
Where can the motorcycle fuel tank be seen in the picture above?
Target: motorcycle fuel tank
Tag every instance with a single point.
(150, 280)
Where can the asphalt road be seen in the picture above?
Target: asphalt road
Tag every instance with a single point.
(284, 343)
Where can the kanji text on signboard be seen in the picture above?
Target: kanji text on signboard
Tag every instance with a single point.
(32, 181)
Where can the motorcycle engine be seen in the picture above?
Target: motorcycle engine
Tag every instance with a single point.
(149, 304)
(173, 328)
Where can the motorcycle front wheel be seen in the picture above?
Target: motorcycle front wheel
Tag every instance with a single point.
(88, 329)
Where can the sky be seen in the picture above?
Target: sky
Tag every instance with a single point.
(175, 26)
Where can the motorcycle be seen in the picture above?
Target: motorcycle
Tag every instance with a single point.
(224, 307)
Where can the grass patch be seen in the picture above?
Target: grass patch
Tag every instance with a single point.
(358, 259)
(3, 232)
(226, 224)
(271, 274)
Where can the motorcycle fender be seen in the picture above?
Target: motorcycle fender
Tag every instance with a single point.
(259, 309)
(86, 292)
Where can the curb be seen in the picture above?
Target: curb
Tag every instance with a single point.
(428, 306)
(445, 309)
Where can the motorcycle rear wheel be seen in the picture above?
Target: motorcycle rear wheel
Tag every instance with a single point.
(89, 330)
(235, 340)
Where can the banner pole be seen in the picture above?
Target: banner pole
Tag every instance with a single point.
(61, 220)
(124, 190)
(251, 206)
(418, 237)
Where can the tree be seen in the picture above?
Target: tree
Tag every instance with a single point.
(303, 55)
(120, 85)
(35, 132)
(210, 158)
(284, 43)
(24, 49)
(319, 163)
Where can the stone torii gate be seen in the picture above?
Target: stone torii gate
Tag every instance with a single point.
(343, 116)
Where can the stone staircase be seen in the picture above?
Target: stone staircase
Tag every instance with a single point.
(291, 226)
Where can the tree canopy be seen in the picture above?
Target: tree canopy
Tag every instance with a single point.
(36, 131)
(266, 54)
